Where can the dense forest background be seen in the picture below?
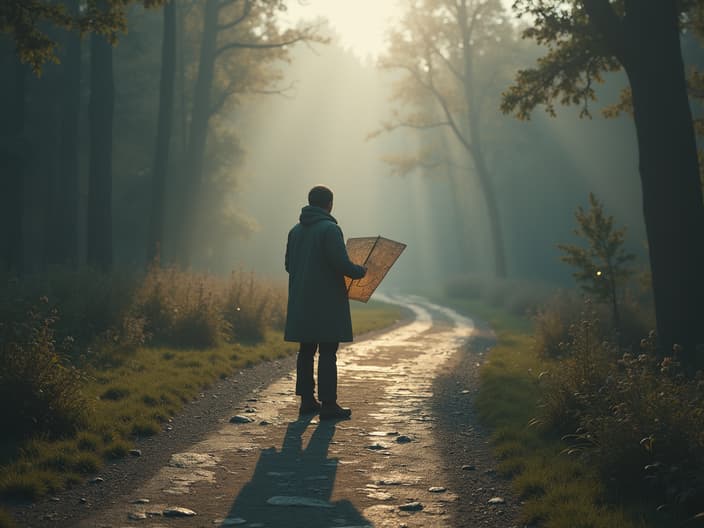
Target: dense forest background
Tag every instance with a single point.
(279, 121)
(155, 154)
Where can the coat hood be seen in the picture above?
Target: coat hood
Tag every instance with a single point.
(311, 214)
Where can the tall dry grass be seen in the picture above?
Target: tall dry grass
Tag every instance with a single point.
(56, 326)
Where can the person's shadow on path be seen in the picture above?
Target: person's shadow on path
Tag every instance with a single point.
(294, 475)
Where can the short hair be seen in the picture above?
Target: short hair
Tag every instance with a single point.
(320, 196)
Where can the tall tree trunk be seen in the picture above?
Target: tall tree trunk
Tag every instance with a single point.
(198, 134)
(13, 152)
(47, 169)
(180, 32)
(163, 136)
(492, 208)
(99, 217)
(475, 147)
(61, 215)
(66, 250)
(672, 196)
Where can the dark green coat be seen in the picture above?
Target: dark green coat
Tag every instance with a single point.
(317, 262)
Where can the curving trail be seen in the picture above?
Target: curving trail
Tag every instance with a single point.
(392, 465)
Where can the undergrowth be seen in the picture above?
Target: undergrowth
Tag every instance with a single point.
(6, 520)
(69, 404)
(560, 486)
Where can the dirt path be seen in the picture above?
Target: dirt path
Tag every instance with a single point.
(411, 456)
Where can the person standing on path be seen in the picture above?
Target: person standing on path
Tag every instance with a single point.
(318, 315)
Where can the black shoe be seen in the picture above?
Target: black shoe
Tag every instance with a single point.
(333, 411)
(309, 406)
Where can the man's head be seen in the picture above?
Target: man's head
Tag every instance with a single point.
(320, 196)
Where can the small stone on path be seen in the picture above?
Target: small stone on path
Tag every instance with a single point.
(403, 439)
(411, 506)
(389, 482)
(178, 511)
(380, 496)
(239, 419)
(377, 446)
(136, 516)
(497, 500)
(469, 467)
(136, 452)
(437, 489)
(97, 480)
(140, 501)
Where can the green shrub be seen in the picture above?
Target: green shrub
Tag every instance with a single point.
(115, 393)
(200, 325)
(181, 309)
(89, 442)
(39, 393)
(117, 449)
(28, 485)
(89, 303)
(554, 320)
(248, 307)
(634, 418)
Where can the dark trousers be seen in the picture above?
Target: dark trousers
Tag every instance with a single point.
(327, 371)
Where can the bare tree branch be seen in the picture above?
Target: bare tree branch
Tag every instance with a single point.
(231, 90)
(220, 102)
(305, 36)
(237, 21)
(225, 3)
(448, 63)
(283, 92)
(439, 97)
(430, 85)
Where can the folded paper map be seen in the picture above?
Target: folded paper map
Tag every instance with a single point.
(377, 254)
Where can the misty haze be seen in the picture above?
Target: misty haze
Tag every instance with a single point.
(180, 335)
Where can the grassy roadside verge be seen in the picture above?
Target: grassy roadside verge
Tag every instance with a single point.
(557, 490)
(374, 315)
(133, 398)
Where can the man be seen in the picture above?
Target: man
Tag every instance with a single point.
(318, 314)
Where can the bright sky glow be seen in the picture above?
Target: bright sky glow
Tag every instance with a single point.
(361, 24)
